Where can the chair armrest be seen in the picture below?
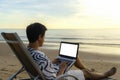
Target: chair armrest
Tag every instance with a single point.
(61, 77)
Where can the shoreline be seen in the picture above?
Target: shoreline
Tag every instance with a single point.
(100, 62)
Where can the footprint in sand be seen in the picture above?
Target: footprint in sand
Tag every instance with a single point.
(3, 69)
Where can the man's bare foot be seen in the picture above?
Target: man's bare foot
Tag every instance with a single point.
(111, 72)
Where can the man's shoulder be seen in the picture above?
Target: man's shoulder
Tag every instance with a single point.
(35, 52)
(40, 52)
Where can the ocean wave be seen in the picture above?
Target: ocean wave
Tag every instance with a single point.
(81, 38)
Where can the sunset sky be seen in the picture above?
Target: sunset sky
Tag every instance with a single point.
(60, 14)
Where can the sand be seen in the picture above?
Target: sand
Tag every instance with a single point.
(9, 64)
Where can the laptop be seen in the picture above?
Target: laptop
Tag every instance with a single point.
(68, 52)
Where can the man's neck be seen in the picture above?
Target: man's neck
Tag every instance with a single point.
(34, 45)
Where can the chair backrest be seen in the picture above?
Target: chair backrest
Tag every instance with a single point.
(23, 54)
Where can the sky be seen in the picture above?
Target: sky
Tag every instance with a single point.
(60, 14)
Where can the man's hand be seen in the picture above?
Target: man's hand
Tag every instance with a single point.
(62, 66)
(56, 61)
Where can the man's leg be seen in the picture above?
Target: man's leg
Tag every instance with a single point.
(95, 76)
(79, 64)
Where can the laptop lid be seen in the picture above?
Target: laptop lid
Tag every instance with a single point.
(69, 50)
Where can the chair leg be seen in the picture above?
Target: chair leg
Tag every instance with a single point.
(14, 75)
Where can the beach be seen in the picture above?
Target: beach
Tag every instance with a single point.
(9, 64)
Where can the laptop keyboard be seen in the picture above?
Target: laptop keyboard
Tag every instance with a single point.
(67, 61)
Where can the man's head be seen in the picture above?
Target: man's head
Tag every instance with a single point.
(35, 31)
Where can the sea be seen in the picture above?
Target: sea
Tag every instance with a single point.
(101, 41)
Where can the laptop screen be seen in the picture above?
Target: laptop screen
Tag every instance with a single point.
(69, 49)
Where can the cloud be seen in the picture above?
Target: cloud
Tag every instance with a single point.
(21, 12)
(48, 7)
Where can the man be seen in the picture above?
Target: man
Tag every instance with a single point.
(36, 34)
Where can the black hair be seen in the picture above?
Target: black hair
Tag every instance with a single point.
(34, 30)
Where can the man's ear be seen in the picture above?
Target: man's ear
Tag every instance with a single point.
(40, 37)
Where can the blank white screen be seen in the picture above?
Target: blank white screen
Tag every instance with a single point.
(68, 49)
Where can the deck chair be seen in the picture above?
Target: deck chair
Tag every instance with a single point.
(28, 64)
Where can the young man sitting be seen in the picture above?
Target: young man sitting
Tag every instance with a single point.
(36, 35)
